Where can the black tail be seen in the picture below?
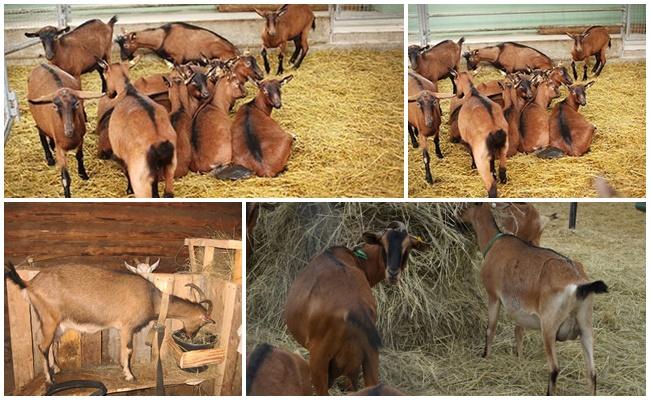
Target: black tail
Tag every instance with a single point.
(159, 156)
(461, 41)
(10, 272)
(112, 21)
(588, 288)
(550, 152)
(313, 26)
(495, 141)
(232, 172)
(361, 320)
(254, 363)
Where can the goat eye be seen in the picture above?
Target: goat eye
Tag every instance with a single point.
(248, 63)
(419, 105)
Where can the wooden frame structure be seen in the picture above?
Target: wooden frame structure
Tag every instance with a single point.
(96, 356)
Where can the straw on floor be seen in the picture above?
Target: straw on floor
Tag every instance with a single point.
(433, 323)
(615, 104)
(345, 106)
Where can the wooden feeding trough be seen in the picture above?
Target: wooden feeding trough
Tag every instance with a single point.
(96, 356)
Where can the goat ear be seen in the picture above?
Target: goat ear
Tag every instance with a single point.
(569, 35)
(286, 79)
(443, 95)
(588, 85)
(418, 244)
(130, 268)
(413, 99)
(31, 34)
(167, 81)
(84, 95)
(371, 237)
(48, 98)
(260, 13)
(155, 265)
(282, 9)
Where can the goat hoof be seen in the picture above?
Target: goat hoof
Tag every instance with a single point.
(84, 176)
(168, 195)
(50, 162)
(439, 155)
(429, 179)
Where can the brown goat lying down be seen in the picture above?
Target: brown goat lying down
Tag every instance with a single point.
(57, 106)
(77, 52)
(141, 135)
(90, 299)
(539, 289)
(178, 43)
(533, 122)
(260, 145)
(271, 371)
(331, 310)
(509, 57)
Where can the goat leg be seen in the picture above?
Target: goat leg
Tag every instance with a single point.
(427, 170)
(493, 316)
(126, 345)
(65, 176)
(46, 148)
(584, 71)
(436, 142)
(296, 51)
(413, 134)
(80, 162)
(597, 64)
(129, 188)
(304, 48)
(519, 341)
(154, 189)
(575, 72)
(549, 333)
(52, 143)
(281, 51)
(602, 58)
(265, 57)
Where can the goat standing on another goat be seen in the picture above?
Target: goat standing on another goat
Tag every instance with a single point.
(56, 103)
(89, 299)
(539, 288)
(289, 22)
(77, 52)
(331, 310)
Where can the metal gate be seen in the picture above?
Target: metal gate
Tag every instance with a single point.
(346, 12)
(634, 20)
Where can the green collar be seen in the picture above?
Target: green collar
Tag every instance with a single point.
(360, 254)
(492, 241)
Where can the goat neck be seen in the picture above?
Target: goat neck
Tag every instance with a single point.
(484, 226)
(179, 98)
(179, 308)
(375, 266)
(490, 54)
(151, 39)
(572, 102)
(221, 99)
(262, 103)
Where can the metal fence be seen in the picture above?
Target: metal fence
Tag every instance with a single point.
(12, 113)
(435, 22)
(342, 12)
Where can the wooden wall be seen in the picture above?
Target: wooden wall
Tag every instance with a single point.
(108, 233)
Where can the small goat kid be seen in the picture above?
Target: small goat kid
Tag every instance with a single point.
(331, 310)
(539, 288)
(289, 22)
(89, 299)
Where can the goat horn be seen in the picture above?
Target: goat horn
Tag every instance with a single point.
(135, 61)
(43, 99)
(83, 95)
(443, 95)
(411, 99)
(209, 307)
(198, 289)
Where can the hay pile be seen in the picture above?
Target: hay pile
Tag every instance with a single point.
(345, 106)
(433, 323)
(615, 104)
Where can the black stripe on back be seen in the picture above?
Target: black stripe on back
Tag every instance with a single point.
(417, 79)
(252, 141)
(143, 101)
(55, 76)
(103, 121)
(485, 102)
(254, 363)
(329, 253)
(565, 130)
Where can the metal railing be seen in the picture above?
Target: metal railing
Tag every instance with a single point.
(365, 12)
(12, 113)
(634, 20)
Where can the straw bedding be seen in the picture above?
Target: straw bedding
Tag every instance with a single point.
(433, 323)
(615, 104)
(345, 106)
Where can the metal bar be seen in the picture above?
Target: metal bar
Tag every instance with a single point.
(22, 46)
(628, 20)
(499, 29)
(423, 23)
(478, 14)
(573, 211)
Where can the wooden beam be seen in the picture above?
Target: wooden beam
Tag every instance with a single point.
(20, 327)
(218, 243)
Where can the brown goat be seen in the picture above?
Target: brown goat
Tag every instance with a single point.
(56, 103)
(141, 135)
(178, 43)
(570, 132)
(156, 86)
(435, 62)
(424, 116)
(539, 288)
(522, 220)
(289, 22)
(89, 299)
(533, 122)
(378, 390)
(594, 41)
(331, 310)
(180, 116)
(76, 52)
(484, 129)
(271, 371)
(509, 57)
(517, 91)
(211, 137)
(259, 144)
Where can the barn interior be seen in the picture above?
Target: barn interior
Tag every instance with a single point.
(196, 243)
(432, 323)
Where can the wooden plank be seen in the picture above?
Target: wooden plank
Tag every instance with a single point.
(111, 351)
(195, 358)
(141, 351)
(20, 324)
(218, 243)
(91, 349)
(37, 336)
(228, 303)
(192, 255)
(237, 267)
(232, 378)
(69, 354)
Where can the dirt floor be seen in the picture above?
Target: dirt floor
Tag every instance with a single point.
(345, 106)
(610, 241)
(616, 105)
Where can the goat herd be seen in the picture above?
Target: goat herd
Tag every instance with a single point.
(162, 126)
(497, 119)
(331, 311)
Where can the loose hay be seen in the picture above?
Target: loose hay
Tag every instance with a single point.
(345, 106)
(615, 104)
(433, 323)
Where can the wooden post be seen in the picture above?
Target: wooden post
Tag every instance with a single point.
(21, 328)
